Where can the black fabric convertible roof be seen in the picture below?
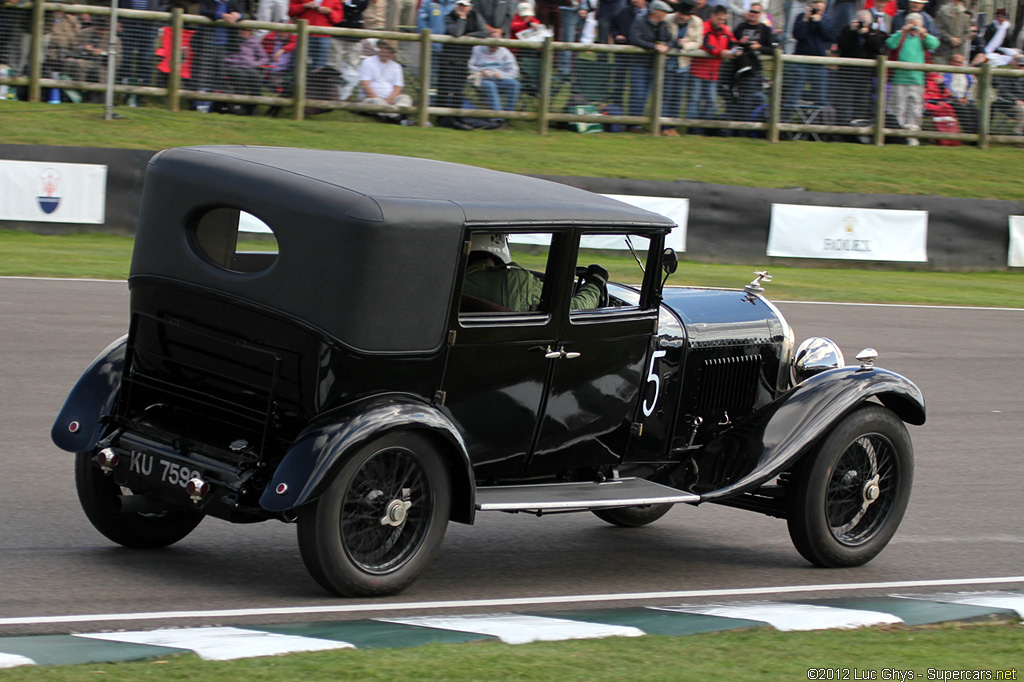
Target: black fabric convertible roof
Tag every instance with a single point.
(368, 244)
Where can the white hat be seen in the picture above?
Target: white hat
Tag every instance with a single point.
(525, 9)
(494, 243)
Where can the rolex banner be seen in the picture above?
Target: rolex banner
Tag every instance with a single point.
(848, 233)
(41, 191)
(677, 210)
(1016, 256)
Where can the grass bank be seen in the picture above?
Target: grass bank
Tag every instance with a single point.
(826, 167)
(104, 256)
(870, 654)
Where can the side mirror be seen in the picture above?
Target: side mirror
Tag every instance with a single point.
(669, 261)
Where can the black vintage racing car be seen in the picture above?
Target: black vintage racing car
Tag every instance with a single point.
(347, 381)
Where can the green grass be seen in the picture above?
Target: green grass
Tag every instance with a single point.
(739, 655)
(827, 167)
(102, 256)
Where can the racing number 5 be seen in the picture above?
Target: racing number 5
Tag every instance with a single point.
(652, 376)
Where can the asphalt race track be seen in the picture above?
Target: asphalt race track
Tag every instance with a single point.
(966, 516)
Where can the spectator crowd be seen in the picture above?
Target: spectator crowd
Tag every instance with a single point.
(727, 81)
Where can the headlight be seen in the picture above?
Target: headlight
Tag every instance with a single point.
(814, 356)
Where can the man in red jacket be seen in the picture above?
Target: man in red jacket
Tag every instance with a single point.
(317, 13)
(720, 44)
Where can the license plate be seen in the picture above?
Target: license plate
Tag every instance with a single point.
(156, 468)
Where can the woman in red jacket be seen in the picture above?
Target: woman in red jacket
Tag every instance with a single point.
(317, 13)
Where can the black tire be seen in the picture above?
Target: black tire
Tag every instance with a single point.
(98, 494)
(832, 521)
(343, 543)
(633, 517)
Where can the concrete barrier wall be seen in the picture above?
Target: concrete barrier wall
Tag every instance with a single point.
(727, 224)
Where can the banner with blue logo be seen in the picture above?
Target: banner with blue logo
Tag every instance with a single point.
(41, 191)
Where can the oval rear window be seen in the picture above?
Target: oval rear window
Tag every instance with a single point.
(235, 240)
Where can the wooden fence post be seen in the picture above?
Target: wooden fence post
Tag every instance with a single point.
(775, 108)
(301, 54)
(544, 96)
(426, 65)
(35, 69)
(174, 78)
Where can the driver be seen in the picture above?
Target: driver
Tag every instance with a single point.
(492, 276)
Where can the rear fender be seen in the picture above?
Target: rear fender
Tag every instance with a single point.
(78, 426)
(319, 451)
(793, 422)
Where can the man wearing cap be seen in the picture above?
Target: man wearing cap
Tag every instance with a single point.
(720, 44)
(997, 39)
(462, 21)
(689, 37)
(914, 6)
(651, 32)
(381, 81)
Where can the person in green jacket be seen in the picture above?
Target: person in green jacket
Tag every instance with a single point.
(492, 276)
(912, 41)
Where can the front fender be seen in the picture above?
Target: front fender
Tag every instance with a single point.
(794, 421)
(78, 427)
(308, 467)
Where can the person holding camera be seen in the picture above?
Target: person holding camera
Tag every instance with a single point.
(813, 38)
(754, 38)
(910, 45)
(862, 38)
(914, 7)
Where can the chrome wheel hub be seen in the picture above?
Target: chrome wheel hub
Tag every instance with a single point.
(395, 513)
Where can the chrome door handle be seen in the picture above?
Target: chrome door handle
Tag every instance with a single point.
(570, 355)
(554, 354)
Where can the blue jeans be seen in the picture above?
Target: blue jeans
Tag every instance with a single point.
(570, 21)
(319, 46)
(676, 82)
(507, 88)
(703, 101)
(639, 85)
(797, 77)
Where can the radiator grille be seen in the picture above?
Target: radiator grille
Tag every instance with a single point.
(728, 382)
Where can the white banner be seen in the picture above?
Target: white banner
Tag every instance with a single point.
(676, 210)
(1016, 255)
(848, 233)
(40, 191)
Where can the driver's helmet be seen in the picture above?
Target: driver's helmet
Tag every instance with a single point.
(494, 243)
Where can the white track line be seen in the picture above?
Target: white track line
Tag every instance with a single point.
(518, 629)
(492, 603)
(223, 643)
(789, 617)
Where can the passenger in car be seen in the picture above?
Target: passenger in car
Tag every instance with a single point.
(492, 276)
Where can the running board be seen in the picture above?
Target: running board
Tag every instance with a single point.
(621, 492)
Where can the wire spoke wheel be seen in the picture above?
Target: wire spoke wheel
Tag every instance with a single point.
(382, 519)
(379, 490)
(847, 498)
(862, 488)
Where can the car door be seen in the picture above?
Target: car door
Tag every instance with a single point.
(597, 382)
(498, 364)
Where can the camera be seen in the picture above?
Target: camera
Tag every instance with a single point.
(861, 24)
(814, 10)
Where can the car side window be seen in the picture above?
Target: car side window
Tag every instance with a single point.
(624, 257)
(234, 240)
(506, 273)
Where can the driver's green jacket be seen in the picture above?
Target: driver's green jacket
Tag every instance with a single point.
(519, 289)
